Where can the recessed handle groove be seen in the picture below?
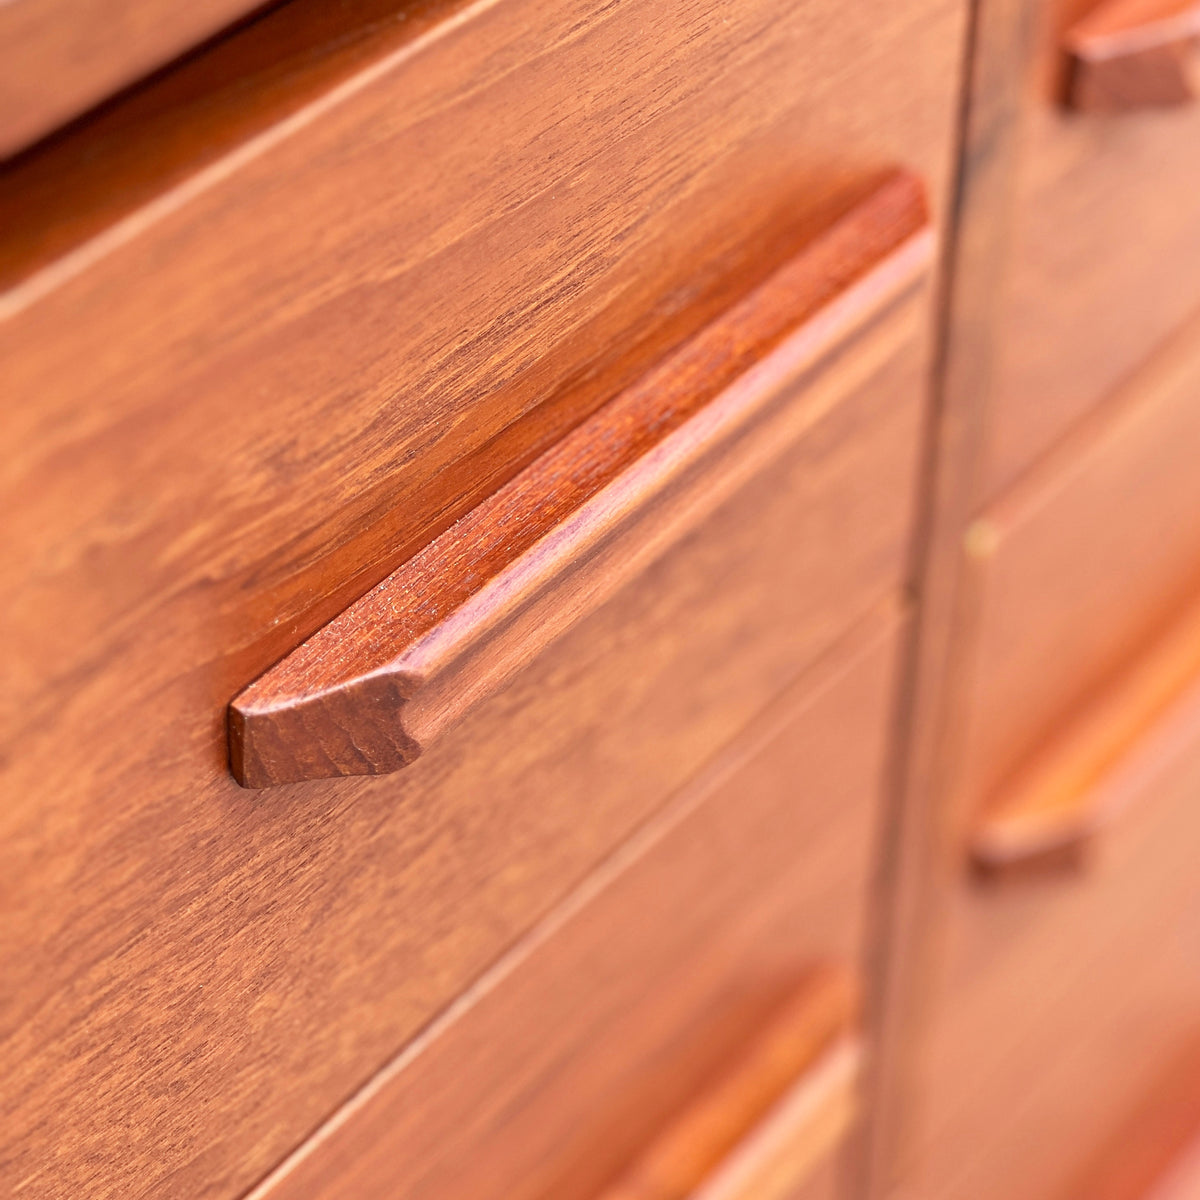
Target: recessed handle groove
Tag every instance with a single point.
(370, 690)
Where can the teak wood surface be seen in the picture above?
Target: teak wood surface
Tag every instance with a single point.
(565, 1061)
(260, 356)
(308, 937)
(369, 691)
(1004, 1046)
(1155, 1153)
(1070, 996)
(1069, 589)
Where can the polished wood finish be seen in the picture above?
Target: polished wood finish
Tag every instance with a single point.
(1069, 590)
(577, 355)
(1049, 811)
(247, 380)
(756, 1131)
(332, 922)
(368, 692)
(1133, 54)
(376, 320)
(59, 57)
(559, 1068)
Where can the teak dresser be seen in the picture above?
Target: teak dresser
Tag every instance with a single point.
(601, 600)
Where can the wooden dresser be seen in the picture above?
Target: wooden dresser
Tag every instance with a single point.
(602, 600)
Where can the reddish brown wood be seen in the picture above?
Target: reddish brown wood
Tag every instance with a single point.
(1049, 811)
(368, 692)
(1133, 54)
(1155, 1152)
(1061, 1003)
(319, 934)
(239, 394)
(559, 1069)
(59, 57)
(754, 1132)
(1072, 585)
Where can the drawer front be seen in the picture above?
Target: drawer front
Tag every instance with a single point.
(173, 936)
(1070, 979)
(1103, 257)
(338, 331)
(623, 1007)
(1069, 1000)
(1083, 564)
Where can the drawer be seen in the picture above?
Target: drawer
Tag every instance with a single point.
(1080, 566)
(196, 974)
(1068, 1007)
(565, 1071)
(346, 309)
(1103, 256)
(58, 57)
(1070, 981)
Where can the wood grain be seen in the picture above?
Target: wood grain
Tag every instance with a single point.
(555, 1073)
(368, 692)
(1128, 55)
(1056, 803)
(172, 937)
(60, 57)
(235, 409)
(312, 354)
(920, 866)
(1051, 1007)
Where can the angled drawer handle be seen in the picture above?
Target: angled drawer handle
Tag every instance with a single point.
(759, 1129)
(1047, 815)
(369, 691)
(1134, 54)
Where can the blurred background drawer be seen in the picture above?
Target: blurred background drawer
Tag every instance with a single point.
(1069, 980)
(565, 1073)
(1067, 1008)
(1103, 256)
(1085, 563)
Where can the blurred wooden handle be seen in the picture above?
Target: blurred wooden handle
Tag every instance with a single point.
(1048, 813)
(1127, 55)
(367, 693)
(758, 1131)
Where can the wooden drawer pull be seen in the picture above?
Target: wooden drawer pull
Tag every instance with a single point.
(758, 1131)
(368, 692)
(1047, 814)
(1133, 54)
